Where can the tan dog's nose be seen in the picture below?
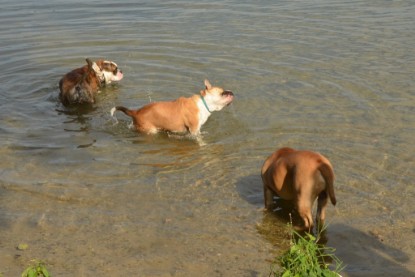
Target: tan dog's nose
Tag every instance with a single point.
(227, 92)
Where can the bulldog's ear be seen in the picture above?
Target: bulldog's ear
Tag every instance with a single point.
(96, 68)
(89, 62)
(203, 93)
(207, 84)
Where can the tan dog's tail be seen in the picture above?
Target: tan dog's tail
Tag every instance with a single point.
(327, 172)
(123, 109)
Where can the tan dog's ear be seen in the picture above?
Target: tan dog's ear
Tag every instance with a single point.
(207, 84)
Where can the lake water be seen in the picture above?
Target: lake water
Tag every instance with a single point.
(91, 198)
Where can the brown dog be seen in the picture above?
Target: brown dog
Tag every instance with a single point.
(81, 84)
(299, 176)
(181, 115)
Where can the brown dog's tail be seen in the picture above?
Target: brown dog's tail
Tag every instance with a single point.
(123, 109)
(326, 171)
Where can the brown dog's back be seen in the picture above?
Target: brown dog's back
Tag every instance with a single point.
(79, 85)
(300, 176)
(306, 164)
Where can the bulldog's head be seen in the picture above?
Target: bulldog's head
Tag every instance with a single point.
(107, 71)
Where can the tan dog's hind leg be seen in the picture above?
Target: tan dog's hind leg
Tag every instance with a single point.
(145, 127)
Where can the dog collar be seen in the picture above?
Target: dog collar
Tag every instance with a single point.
(204, 103)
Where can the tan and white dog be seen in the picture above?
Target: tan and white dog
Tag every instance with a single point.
(181, 115)
(81, 84)
(299, 176)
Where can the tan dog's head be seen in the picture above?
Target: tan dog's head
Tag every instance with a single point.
(216, 98)
(107, 71)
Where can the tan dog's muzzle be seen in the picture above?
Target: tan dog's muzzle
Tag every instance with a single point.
(227, 92)
(228, 95)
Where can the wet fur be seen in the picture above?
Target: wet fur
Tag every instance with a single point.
(81, 84)
(183, 115)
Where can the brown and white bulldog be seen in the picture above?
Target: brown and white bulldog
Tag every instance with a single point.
(299, 176)
(181, 115)
(81, 84)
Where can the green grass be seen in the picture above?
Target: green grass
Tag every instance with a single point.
(36, 269)
(306, 257)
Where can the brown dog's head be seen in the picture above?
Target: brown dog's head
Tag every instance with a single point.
(107, 71)
(216, 98)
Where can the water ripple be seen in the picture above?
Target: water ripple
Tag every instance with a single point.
(330, 76)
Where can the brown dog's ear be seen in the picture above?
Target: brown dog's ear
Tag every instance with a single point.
(203, 92)
(207, 84)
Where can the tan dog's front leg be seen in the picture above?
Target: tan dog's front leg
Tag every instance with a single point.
(200, 140)
(195, 133)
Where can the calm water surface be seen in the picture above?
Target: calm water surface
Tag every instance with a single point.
(91, 198)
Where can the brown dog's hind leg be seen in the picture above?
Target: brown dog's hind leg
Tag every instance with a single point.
(321, 208)
(268, 198)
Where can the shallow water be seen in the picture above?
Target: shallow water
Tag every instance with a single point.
(93, 198)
